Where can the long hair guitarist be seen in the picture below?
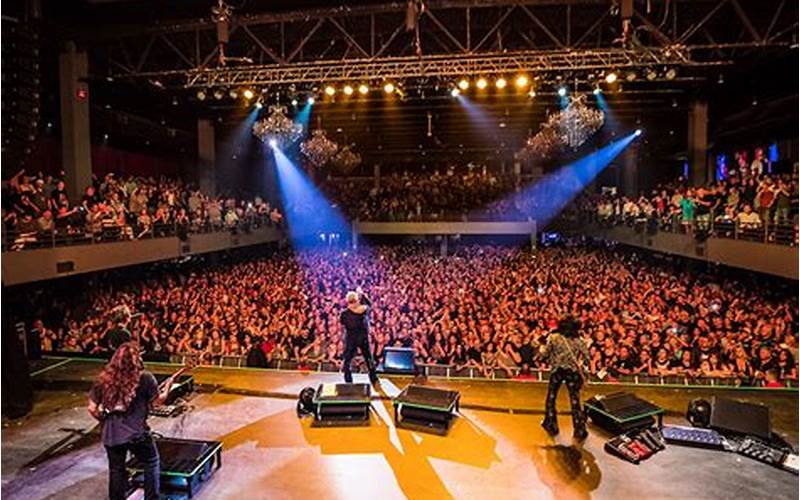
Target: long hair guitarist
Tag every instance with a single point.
(121, 399)
(565, 354)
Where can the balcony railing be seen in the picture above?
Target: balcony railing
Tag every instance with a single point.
(17, 240)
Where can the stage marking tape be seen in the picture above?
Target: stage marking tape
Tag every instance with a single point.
(48, 368)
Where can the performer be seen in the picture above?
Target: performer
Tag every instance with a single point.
(120, 400)
(356, 326)
(565, 354)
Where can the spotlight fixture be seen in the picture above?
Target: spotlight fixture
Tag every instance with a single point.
(481, 83)
(651, 74)
(597, 91)
(294, 102)
(671, 74)
(454, 92)
(521, 81)
(611, 77)
(348, 90)
(330, 90)
(248, 94)
(388, 88)
(363, 89)
(310, 100)
(562, 91)
(638, 132)
(531, 93)
(201, 95)
(233, 93)
(174, 101)
(273, 143)
(674, 103)
(259, 105)
(463, 84)
(500, 83)
(720, 79)
(630, 76)
(218, 94)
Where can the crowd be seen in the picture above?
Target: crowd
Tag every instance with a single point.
(450, 193)
(740, 202)
(38, 208)
(486, 307)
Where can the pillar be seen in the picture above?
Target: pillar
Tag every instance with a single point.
(630, 171)
(376, 174)
(76, 144)
(698, 143)
(206, 157)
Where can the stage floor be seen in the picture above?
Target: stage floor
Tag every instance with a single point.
(495, 449)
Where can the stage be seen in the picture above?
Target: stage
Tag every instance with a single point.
(495, 449)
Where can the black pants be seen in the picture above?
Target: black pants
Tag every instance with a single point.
(360, 342)
(144, 449)
(574, 383)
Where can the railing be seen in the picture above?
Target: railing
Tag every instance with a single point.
(16, 240)
(782, 233)
(452, 372)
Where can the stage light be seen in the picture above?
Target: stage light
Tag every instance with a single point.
(330, 90)
(671, 74)
(531, 93)
(500, 83)
(481, 83)
(388, 88)
(273, 143)
(611, 77)
(562, 91)
(597, 91)
(348, 90)
(630, 76)
(463, 84)
(310, 100)
(521, 81)
(248, 94)
(294, 102)
(454, 92)
(233, 93)
(638, 132)
(218, 94)
(259, 105)
(201, 95)
(363, 89)
(651, 75)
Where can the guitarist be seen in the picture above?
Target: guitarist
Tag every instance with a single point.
(120, 400)
(565, 354)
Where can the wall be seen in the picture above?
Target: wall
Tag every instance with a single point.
(778, 260)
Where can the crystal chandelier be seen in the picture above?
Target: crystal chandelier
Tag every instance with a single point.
(571, 127)
(346, 160)
(319, 149)
(277, 127)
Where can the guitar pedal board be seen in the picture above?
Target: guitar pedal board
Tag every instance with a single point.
(636, 446)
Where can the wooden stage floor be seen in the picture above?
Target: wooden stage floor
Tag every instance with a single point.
(495, 449)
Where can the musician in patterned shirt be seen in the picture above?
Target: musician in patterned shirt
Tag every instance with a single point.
(565, 354)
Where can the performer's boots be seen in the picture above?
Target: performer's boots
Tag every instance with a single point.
(550, 427)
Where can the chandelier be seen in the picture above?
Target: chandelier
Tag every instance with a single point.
(319, 149)
(571, 127)
(277, 127)
(346, 160)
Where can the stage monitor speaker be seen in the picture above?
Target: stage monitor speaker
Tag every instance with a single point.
(425, 408)
(740, 418)
(185, 464)
(399, 360)
(621, 412)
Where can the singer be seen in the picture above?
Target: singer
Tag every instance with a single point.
(356, 326)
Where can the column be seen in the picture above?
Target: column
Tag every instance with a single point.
(376, 174)
(698, 143)
(630, 172)
(76, 144)
(206, 158)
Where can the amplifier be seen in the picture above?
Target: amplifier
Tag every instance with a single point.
(740, 418)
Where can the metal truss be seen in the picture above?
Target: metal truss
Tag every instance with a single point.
(433, 67)
(449, 37)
